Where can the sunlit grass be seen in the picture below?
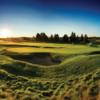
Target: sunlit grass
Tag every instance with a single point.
(78, 70)
(68, 49)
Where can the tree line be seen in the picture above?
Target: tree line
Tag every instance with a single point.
(73, 38)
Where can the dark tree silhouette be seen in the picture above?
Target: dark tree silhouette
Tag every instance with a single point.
(41, 37)
(56, 38)
(44, 37)
(81, 38)
(86, 38)
(38, 37)
(51, 38)
(65, 38)
(77, 39)
(73, 38)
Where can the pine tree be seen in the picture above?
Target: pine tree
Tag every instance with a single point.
(86, 38)
(56, 38)
(73, 38)
(65, 38)
(51, 39)
(81, 38)
(38, 37)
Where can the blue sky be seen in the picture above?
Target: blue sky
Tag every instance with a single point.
(28, 17)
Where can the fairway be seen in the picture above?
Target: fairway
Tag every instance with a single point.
(47, 47)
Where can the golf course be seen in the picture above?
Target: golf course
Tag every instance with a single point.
(49, 71)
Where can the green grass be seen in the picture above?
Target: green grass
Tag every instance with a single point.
(50, 47)
(79, 65)
(79, 71)
(76, 65)
(67, 49)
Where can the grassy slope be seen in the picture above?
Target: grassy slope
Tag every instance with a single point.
(79, 65)
(68, 76)
(76, 58)
(76, 65)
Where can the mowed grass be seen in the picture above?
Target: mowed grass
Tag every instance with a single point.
(50, 48)
(42, 44)
(66, 50)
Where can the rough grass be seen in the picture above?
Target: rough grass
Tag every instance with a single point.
(79, 65)
(77, 77)
(76, 65)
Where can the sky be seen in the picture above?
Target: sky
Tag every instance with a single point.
(28, 17)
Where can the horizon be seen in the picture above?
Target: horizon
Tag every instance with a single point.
(28, 17)
(33, 36)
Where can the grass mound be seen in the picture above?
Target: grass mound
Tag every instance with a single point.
(19, 67)
(78, 65)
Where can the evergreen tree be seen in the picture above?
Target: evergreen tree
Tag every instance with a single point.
(86, 38)
(65, 38)
(73, 38)
(77, 39)
(56, 38)
(38, 37)
(44, 37)
(51, 39)
(81, 38)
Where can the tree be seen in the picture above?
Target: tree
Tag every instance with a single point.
(51, 38)
(56, 38)
(77, 39)
(81, 38)
(44, 37)
(86, 38)
(73, 38)
(65, 38)
(38, 37)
